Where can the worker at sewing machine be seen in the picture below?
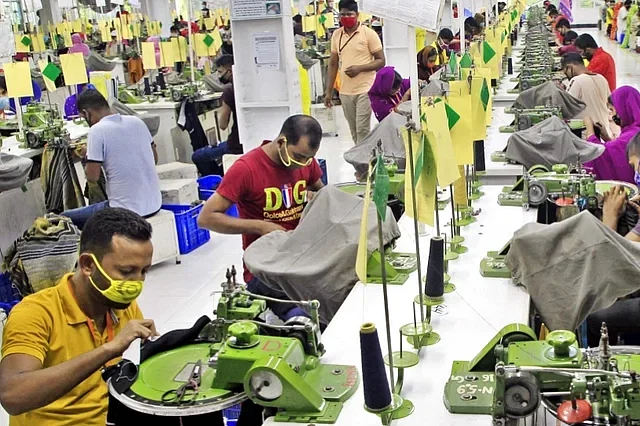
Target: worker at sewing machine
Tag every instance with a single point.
(590, 88)
(122, 146)
(427, 60)
(209, 158)
(562, 27)
(624, 104)
(472, 28)
(270, 184)
(56, 341)
(568, 43)
(388, 91)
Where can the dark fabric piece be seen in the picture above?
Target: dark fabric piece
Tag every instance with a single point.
(193, 126)
(284, 311)
(208, 160)
(233, 142)
(60, 182)
(173, 339)
(621, 317)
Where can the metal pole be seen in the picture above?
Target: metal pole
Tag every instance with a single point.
(454, 222)
(191, 42)
(383, 272)
(414, 205)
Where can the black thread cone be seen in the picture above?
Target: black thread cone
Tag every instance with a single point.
(478, 156)
(434, 288)
(147, 86)
(377, 395)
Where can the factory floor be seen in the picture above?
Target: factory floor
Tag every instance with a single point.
(175, 296)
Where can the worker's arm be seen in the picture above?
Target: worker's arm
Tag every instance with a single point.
(378, 62)
(224, 116)
(316, 186)
(92, 171)
(213, 217)
(155, 152)
(331, 78)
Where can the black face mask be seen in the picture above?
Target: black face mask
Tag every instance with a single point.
(617, 120)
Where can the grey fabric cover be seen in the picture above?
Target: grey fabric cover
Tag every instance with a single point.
(317, 260)
(305, 60)
(388, 131)
(548, 94)
(573, 268)
(14, 171)
(435, 87)
(213, 83)
(97, 62)
(550, 142)
(151, 120)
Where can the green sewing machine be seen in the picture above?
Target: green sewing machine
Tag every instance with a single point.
(180, 91)
(41, 124)
(129, 96)
(515, 373)
(237, 356)
(526, 118)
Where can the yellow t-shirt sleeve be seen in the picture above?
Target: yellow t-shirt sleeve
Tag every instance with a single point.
(27, 330)
(334, 42)
(375, 45)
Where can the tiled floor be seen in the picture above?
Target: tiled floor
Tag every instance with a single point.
(175, 296)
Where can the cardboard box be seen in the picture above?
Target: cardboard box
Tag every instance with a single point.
(177, 170)
(179, 191)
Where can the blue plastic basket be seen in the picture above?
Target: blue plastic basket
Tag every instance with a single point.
(190, 237)
(323, 166)
(9, 296)
(232, 415)
(207, 187)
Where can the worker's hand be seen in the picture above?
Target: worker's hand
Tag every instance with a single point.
(603, 132)
(590, 128)
(134, 329)
(406, 96)
(328, 100)
(268, 227)
(614, 202)
(353, 71)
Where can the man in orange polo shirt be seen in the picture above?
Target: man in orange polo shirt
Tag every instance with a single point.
(356, 51)
(600, 62)
(57, 340)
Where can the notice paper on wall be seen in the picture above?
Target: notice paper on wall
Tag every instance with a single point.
(266, 51)
(255, 9)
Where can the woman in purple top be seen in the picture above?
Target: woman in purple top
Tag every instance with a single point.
(624, 104)
(389, 89)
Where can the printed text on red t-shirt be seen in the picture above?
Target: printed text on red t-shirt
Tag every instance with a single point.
(290, 197)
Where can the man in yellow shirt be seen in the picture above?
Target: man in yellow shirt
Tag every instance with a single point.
(57, 340)
(356, 51)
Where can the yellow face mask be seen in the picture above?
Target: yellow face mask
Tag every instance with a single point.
(290, 160)
(119, 291)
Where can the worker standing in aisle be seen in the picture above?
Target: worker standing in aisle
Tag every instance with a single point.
(356, 52)
(56, 341)
(270, 184)
(600, 61)
(122, 146)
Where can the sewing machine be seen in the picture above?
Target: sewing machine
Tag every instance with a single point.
(237, 356)
(526, 118)
(41, 124)
(515, 373)
(180, 91)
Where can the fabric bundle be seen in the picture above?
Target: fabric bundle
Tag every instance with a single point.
(43, 255)
(14, 171)
(60, 183)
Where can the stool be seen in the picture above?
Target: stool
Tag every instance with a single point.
(164, 237)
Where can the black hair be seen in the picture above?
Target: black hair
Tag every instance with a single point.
(627, 3)
(553, 13)
(174, 28)
(397, 80)
(3, 83)
(99, 230)
(349, 5)
(224, 60)
(297, 19)
(446, 34)
(570, 36)
(571, 58)
(551, 7)
(470, 22)
(585, 41)
(91, 99)
(301, 125)
(563, 23)
(633, 147)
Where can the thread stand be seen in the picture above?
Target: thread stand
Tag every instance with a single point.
(420, 335)
(449, 287)
(466, 215)
(448, 253)
(475, 186)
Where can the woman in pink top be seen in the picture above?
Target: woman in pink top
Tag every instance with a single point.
(78, 45)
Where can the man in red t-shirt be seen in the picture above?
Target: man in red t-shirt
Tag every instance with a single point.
(600, 62)
(270, 185)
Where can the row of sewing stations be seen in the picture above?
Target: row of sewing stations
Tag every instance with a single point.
(450, 378)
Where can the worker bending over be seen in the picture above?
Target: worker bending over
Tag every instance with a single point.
(270, 184)
(122, 146)
(57, 340)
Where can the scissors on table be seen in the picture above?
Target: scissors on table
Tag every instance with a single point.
(188, 392)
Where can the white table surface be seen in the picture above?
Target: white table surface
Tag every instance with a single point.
(11, 145)
(475, 313)
(497, 141)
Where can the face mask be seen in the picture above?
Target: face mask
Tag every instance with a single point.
(569, 73)
(349, 21)
(4, 103)
(120, 291)
(617, 120)
(224, 78)
(290, 160)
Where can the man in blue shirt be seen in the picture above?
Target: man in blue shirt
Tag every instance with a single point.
(122, 146)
